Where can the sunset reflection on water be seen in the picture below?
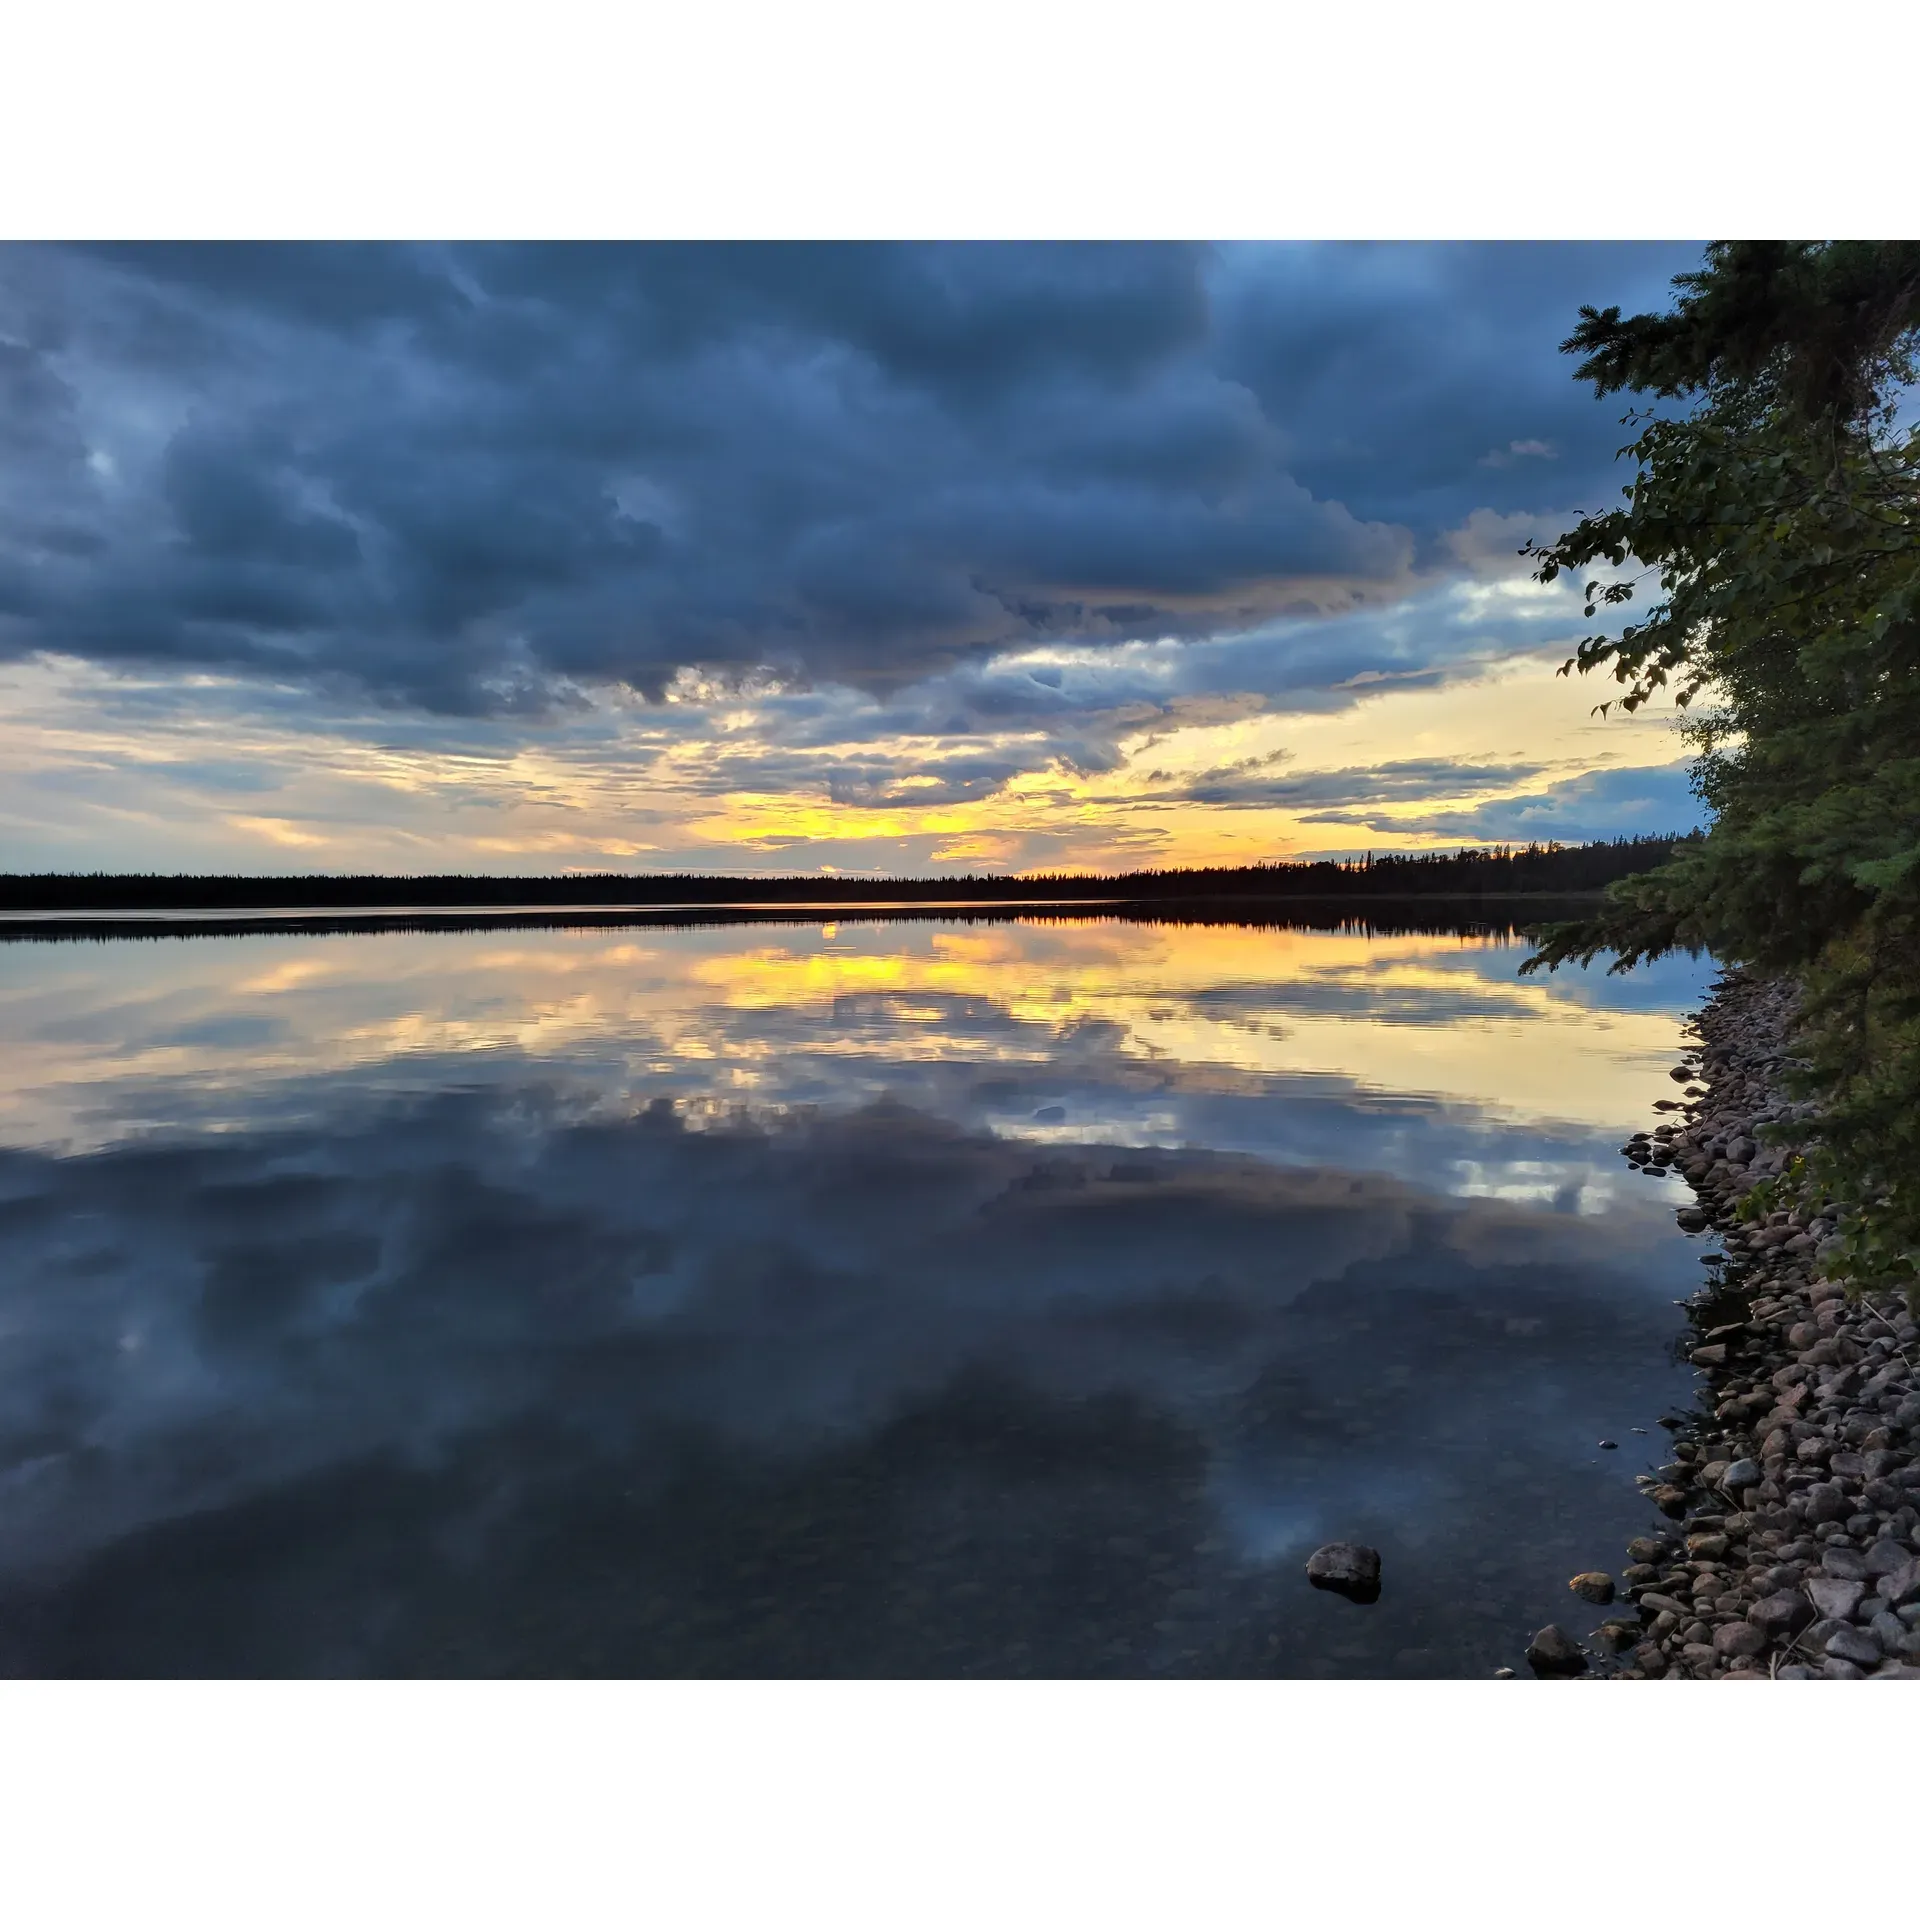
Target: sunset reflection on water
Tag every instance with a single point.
(770, 1014)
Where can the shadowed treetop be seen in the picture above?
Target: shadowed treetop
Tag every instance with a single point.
(1823, 327)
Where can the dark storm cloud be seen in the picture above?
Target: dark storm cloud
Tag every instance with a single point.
(461, 478)
(1418, 383)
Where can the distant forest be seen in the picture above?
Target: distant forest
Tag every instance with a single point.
(1471, 874)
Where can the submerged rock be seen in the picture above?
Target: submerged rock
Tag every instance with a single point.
(1597, 1587)
(1346, 1569)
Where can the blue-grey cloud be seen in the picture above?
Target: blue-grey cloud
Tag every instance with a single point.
(464, 479)
(1591, 806)
(1254, 784)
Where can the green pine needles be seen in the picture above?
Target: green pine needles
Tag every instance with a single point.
(1773, 534)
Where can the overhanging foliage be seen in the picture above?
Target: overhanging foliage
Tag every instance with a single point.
(1774, 534)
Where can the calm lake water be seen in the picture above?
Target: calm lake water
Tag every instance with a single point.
(911, 1297)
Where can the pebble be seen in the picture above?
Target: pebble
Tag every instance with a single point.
(1900, 1588)
(1782, 1613)
(1738, 1637)
(1805, 1454)
(1826, 1502)
(1836, 1599)
(1851, 1644)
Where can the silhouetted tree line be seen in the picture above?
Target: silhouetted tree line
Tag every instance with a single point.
(1533, 869)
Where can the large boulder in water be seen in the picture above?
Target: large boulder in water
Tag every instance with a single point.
(1555, 1655)
(1353, 1571)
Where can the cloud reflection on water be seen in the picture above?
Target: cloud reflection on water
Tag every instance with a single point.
(579, 1267)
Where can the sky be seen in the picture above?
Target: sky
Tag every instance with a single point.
(772, 558)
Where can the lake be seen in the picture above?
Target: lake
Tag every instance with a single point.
(979, 1296)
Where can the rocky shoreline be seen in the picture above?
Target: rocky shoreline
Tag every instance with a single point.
(1786, 1544)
